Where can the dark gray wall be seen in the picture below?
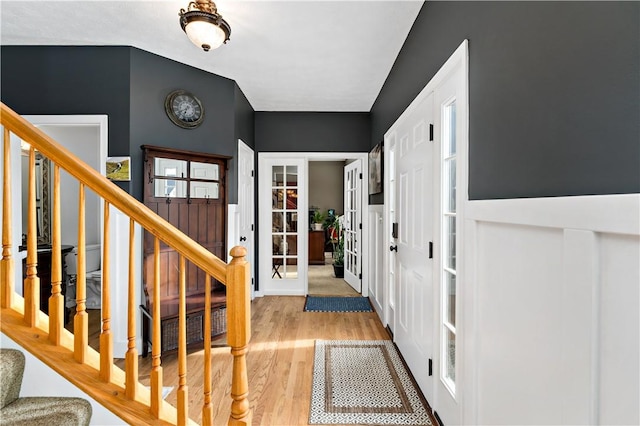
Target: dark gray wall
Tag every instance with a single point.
(152, 78)
(129, 85)
(312, 131)
(70, 80)
(553, 92)
(244, 119)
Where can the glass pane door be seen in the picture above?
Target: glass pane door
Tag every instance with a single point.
(284, 222)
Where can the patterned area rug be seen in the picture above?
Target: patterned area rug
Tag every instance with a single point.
(363, 382)
(337, 304)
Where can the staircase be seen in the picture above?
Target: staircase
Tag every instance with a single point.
(68, 353)
(34, 410)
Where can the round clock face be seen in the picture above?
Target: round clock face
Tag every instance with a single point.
(184, 109)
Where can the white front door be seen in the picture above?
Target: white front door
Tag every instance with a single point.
(428, 148)
(450, 153)
(353, 225)
(284, 226)
(246, 214)
(414, 217)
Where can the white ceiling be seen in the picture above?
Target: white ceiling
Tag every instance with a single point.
(285, 55)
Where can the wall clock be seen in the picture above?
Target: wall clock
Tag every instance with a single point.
(184, 109)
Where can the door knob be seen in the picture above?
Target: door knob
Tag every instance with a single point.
(393, 248)
(243, 238)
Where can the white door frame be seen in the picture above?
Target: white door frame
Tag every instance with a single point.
(244, 149)
(264, 255)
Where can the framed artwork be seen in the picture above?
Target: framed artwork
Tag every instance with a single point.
(119, 168)
(375, 169)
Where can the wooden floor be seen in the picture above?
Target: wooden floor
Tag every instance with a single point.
(280, 360)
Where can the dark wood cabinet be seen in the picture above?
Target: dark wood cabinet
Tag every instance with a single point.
(316, 247)
(44, 273)
(187, 189)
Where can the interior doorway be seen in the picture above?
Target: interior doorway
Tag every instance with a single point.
(326, 203)
(285, 221)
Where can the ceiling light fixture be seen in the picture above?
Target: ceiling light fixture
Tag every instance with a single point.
(204, 25)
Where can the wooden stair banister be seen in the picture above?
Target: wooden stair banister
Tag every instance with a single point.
(69, 354)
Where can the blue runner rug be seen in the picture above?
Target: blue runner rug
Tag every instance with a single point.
(337, 304)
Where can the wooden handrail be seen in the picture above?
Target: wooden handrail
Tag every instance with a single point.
(120, 199)
(32, 321)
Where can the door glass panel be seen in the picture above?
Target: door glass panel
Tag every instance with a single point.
(292, 176)
(451, 298)
(170, 188)
(292, 222)
(450, 357)
(277, 199)
(284, 218)
(449, 250)
(277, 221)
(278, 175)
(450, 242)
(203, 190)
(451, 199)
(170, 167)
(206, 171)
(292, 199)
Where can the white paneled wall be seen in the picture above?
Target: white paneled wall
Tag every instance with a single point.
(376, 254)
(551, 306)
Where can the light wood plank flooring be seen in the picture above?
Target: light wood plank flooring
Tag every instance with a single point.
(280, 361)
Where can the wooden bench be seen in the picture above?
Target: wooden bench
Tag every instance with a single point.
(169, 312)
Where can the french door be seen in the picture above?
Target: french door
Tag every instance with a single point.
(352, 226)
(283, 225)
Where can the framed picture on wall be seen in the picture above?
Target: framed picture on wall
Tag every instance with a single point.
(118, 168)
(375, 169)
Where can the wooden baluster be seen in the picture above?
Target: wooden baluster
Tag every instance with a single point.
(239, 333)
(32, 282)
(7, 265)
(106, 337)
(156, 368)
(131, 358)
(56, 301)
(207, 407)
(81, 320)
(183, 405)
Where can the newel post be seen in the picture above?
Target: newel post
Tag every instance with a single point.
(239, 333)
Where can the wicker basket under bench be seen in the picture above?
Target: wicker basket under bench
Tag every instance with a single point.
(195, 321)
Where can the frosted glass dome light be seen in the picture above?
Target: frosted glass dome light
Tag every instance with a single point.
(203, 25)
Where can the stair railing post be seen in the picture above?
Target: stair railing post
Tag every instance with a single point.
(156, 340)
(56, 301)
(7, 264)
(81, 320)
(207, 406)
(106, 337)
(239, 333)
(32, 282)
(131, 358)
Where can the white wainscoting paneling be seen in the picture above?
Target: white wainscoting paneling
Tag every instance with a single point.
(552, 305)
(377, 287)
(233, 229)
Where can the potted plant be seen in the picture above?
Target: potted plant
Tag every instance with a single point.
(317, 220)
(338, 250)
